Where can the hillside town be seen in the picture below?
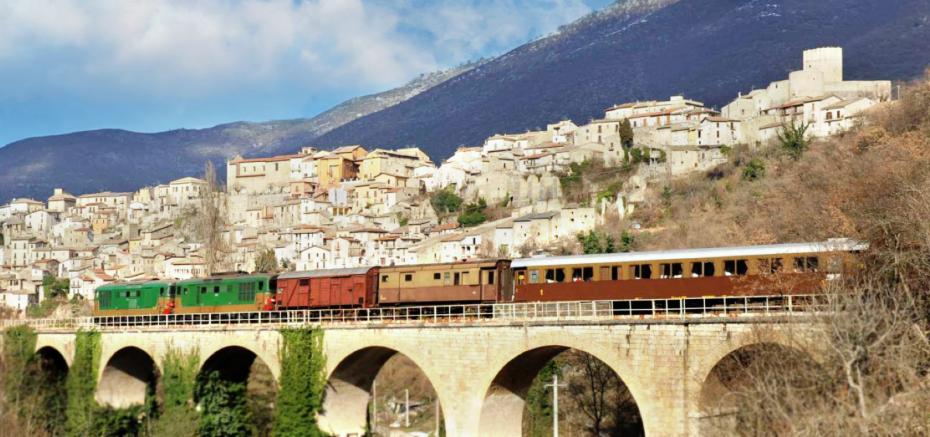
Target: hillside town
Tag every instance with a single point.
(357, 206)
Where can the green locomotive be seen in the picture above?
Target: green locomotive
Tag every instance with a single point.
(219, 294)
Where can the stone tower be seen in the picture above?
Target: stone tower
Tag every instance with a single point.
(827, 60)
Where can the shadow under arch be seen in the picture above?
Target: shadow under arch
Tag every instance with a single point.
(763, 369)
(227, 382)
(505, 399)
(349, 389)
(127, 377)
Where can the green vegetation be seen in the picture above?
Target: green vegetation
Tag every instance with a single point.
(303, 382)
(223, 406)
(402, 220)
(626, 134)
(267, 262)
(55, 287)
(595, 241)
(793, 139)
(43, 309)
(754, 169)
(178, 417)
(474, 214)
(538, 420)
(18, 359)
(445, 201)
(81, 384)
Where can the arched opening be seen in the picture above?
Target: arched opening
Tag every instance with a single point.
(757, 389)
(52, 394)
(381, 390)
(592, 398)
(235, 393)
(128, 377)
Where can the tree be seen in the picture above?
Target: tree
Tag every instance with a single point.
(755, 169)
(626, 134)
(596, 242)
(212, 220)
(596, 391)
(473, 214)
(266, 262)
(445, 201)
(55, 287)
(793, 139)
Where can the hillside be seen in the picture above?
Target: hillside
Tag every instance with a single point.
(120, 160)
(708, 49)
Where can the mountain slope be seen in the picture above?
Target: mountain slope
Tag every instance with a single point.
(112, 159)
(708, 49)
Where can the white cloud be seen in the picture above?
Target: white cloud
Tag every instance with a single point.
(168, 47)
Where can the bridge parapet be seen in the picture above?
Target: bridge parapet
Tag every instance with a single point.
(621, 311)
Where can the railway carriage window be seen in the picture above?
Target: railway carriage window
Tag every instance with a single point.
(806, 264)
(408, 277)
(768, 266)
(735, 267)
(437, 277)
(304, 282)
(491, 278)
(671, 270)
(700, 269)
(615, 273)
(261, 285)
(642, 271)
(203, 290)
(456, 279)
(555, 275)
(835, 264)
(534, 277)
(582, 274)
(216, 289)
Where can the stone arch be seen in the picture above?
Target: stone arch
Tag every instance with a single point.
(53, 355)
(349, 389)
(126, 378)
(505, 397)
(232, 362)
(718, 399)
(62, 344)
(241, 351)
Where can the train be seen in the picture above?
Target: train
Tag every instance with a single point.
(775, 269)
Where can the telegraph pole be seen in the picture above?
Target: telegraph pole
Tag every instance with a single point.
(374, 406)
(406, 408)
(555, 403)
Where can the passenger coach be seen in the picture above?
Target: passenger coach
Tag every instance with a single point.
(798, 268)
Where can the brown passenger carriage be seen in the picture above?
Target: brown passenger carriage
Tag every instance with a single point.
(797, 268)
(461, 282)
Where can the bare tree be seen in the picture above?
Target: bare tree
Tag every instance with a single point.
(212, 221)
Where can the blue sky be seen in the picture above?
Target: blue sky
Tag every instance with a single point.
(68, 65)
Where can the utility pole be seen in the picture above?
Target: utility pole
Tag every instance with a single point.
(555, 403)
(437, 416)
(406, 408)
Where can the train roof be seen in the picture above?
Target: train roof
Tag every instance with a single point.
(226, 277)
(145, 282)
(325, 273)
(832, 245)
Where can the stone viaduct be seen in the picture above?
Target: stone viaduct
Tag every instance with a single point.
(480, 371)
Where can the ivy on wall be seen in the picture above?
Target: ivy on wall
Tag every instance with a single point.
(82, 383)
(19, 345)
(303, 381)
(178, 417)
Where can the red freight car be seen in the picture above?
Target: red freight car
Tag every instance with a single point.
(332, 288)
